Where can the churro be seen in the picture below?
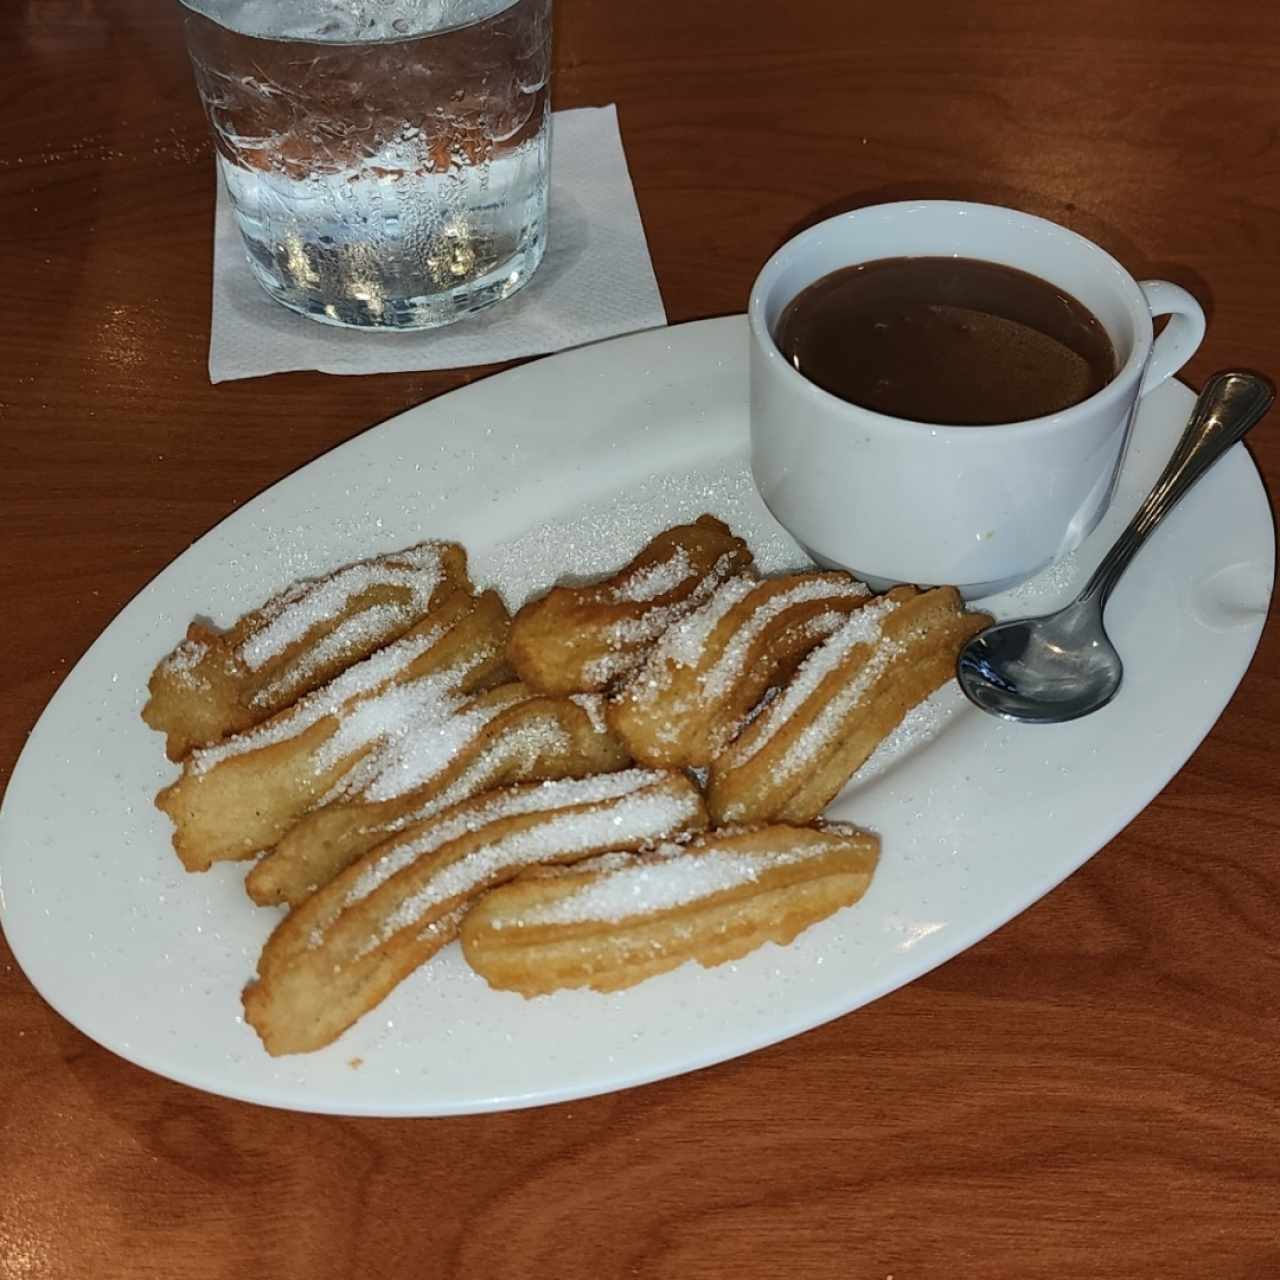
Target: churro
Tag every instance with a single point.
(506, 735)
(217, 683)
(239, 796)
(847, 695)
(707, 671)
(581, 639)
(363, 731)
(340, 952)
(613, 923)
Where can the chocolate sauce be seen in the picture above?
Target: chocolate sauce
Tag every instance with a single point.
(952, 341)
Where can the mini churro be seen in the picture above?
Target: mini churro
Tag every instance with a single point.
(581, 639)
(611, 924)
(239, 796)
(506, 735)
(342, 950)
(848, 694)
(217, 683)
(684, 703)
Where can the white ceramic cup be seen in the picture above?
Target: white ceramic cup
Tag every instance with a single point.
(981, 508)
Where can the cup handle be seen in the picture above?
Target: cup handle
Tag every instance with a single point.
(1180, 337)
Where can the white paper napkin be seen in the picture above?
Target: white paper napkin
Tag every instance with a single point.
(595, 281)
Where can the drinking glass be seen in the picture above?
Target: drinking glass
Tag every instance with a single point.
(386, 160)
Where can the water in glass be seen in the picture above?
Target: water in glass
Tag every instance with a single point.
(386, 159)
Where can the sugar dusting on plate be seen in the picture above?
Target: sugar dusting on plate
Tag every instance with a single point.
(919, 727)
(600, 537)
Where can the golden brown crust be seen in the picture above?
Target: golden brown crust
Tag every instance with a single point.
(716, 900)
(342, 950)
(684, 703)
(581, 639)
(530, 738)
(221, 682)
(396, 804)
(791, 761)
(240, 796)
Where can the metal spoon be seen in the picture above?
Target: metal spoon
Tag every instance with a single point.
(1062, 665)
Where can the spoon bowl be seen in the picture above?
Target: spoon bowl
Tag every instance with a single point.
(1048, 669)
(1062, 665)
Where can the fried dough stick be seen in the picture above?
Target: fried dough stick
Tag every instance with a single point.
(238, 797)
(580, 639)
(339, 953)
(713, 901)
(506, 735)
(695, 687)
(220, 682)
(846, 696)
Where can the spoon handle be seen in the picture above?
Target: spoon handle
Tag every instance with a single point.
(1228, 406)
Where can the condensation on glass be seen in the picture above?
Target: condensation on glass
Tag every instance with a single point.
(387, 160)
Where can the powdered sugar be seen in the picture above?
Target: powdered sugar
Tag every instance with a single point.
(729, 666)
(634, 819)
(608, 667)
(356, 634)
(593, 705)
(627, 635)
(183, 661)
(518, 748)
(428, 743)
(404, 723)
(684, 645)
(685, 642)
(375, 672)
(819, 731)
(862, 628)
(651, 887)
(612, 861)
(416, 571)
(595, 539)
(656, 580)
(504, 804)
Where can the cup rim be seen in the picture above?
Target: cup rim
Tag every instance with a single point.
(1116, 388)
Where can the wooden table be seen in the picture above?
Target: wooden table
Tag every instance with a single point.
(1092, 1091)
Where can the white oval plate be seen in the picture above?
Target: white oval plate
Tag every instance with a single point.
(567, 466)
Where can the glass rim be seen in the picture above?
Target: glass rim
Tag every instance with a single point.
(197, 8)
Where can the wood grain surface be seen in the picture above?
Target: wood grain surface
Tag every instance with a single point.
(1093, 1091)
